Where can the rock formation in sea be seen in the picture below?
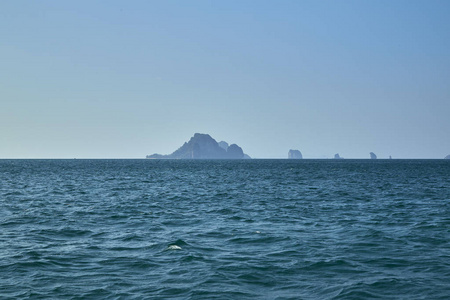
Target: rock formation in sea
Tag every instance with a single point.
(373, 155)
(336, 156)
(390, 157)
(203, 146)
(294, 154)
(447, 157)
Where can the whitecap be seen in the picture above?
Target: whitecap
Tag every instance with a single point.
(174, 247)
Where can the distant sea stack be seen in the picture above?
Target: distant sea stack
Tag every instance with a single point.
(373, 155)
(203, 146)
(447, 157)
(336, 156)
(294, 154)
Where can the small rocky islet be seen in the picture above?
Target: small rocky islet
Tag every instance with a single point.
(295, 154)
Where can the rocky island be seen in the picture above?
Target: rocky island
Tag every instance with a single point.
(447, 157)
(336, 156)
(373, 155)
(294, 154)
(203, 146)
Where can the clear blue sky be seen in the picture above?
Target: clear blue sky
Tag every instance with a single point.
(123, 79)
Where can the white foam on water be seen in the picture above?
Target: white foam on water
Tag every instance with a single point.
(174, 247)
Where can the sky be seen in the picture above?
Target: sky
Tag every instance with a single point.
(123, 79)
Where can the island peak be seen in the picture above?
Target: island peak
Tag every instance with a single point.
(203, 146)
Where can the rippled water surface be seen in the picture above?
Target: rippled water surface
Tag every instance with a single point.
(253, 229)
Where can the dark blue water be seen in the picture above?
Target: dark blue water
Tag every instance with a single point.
(264, 229)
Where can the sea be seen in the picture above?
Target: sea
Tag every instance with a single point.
(225, 229)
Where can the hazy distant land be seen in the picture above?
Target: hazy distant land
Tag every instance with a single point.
(295, 154)
(203, 146)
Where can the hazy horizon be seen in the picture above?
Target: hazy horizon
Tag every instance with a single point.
(116, 79)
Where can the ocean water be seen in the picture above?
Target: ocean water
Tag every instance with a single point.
(252, 229)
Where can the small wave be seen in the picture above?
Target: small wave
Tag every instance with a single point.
(174, 247)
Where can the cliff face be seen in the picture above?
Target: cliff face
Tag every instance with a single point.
(235, 152)
(223, 145)
(294, 154)
(203, 146)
